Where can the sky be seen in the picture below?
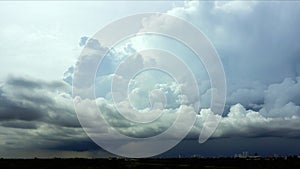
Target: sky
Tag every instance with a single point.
(43, 44)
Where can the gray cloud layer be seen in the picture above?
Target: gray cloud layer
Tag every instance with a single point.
(256, 42)
(38, 114)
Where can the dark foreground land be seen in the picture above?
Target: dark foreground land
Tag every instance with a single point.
(220, 163)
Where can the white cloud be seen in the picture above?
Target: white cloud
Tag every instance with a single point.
(250, 63)
(241, 122)
(234, 6)
(282, 99)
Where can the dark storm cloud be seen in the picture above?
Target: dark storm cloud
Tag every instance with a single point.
(10, 110)
(23, 83)
(19, 124)
(76, 145)
(33, 100)
(30, 83)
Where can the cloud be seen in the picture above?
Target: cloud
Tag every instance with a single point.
(234, 6)
(19, 124)
(251, 54)
(42, 137)
(115, 119)
(38, 110)
(259, 53)
(239, 122)
(55, 125)
(256, 50)
(245, 42)
(248, 123)
(83, 40)
(282, 99)
(31, 100)
(68, 75)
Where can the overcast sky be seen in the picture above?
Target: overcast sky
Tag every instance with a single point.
(41, 42)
